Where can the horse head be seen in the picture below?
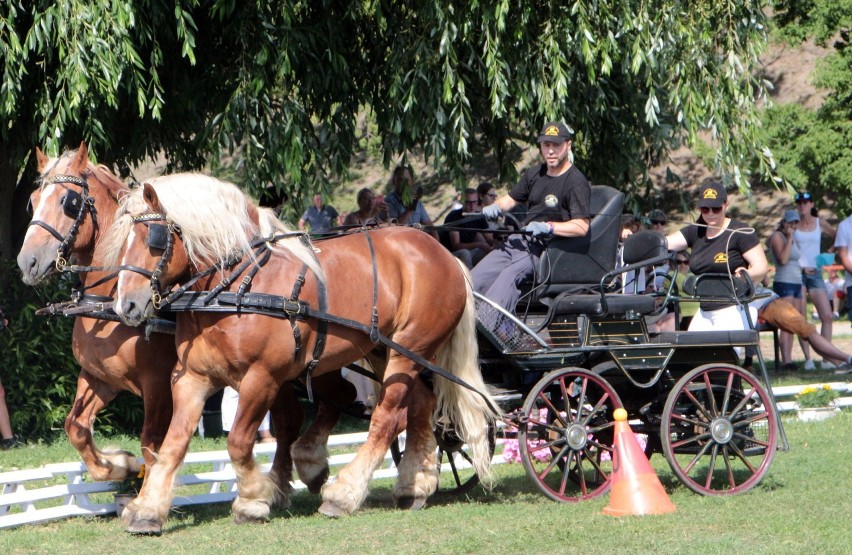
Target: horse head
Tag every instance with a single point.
(74, 198)
(152, 259)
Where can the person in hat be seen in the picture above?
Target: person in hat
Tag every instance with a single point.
(720, 244)
(808, 236)
(784, 255)
(558, 198)
(658, 220)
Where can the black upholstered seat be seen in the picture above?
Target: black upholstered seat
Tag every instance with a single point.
(575, 263)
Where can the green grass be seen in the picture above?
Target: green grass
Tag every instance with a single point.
(801, 506)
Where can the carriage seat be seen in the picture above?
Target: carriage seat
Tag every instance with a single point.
(642, 249)
(578, 263)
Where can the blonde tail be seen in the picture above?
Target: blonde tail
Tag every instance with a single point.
(467, 411)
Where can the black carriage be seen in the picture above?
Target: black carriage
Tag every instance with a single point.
(579, 347)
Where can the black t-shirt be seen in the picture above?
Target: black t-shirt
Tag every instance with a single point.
(721, 254)
(558, 199)
(468, 234)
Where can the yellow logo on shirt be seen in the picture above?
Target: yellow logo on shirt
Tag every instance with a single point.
(721, 258)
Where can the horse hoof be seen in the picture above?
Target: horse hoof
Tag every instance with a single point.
(411, 503)
(248, 519)
(315, 484)
(331, 510)
(145, 528)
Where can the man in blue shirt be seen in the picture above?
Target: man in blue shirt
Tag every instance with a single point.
(318, 217)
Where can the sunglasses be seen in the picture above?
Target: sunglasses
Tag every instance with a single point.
(803, 200)
(708, 209)
(657, 222)
(682, 261)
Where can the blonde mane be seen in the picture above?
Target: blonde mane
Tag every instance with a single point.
(215, 219)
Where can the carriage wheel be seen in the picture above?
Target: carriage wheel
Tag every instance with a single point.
(566, 433)
(719, 430)
(453, 454)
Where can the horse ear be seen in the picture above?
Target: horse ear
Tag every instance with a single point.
(149, 195)
(41, 159)
(82, 158)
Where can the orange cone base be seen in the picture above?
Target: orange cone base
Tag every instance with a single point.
(644, 495)
(636, 490)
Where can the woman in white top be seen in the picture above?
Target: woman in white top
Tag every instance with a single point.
(784, 254)
(808, 237)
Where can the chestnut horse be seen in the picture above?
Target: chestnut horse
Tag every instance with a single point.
(73, 206)
(397, 282)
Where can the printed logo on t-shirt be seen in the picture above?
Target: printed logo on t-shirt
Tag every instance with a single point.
(720, 258)
(551, 201)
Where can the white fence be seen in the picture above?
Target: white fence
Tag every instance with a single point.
(24, 497)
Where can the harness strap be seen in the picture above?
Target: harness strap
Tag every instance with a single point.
(374, 317)
(294, 297)
(279, 307)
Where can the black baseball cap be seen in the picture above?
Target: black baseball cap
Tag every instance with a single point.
(712, 195)
(555, 132)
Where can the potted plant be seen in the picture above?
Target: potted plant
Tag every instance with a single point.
(817, 403)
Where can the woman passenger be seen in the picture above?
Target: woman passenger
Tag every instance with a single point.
(720, 245)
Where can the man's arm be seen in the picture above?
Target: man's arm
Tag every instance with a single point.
(843, 256)
(505, 202)
(577, 227)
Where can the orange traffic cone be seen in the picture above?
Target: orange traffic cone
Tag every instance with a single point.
(636, 490)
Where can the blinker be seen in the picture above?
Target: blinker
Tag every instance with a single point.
(158, 236)
(72, 204)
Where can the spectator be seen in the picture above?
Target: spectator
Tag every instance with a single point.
(403, 202)
(842, 243)
(319, 217)
(230, 399)
(467, 239)
(783, 315)
(808, 236)
(836, 291)
(9, 440)
(658, 220)
(487, 194)
(687, 310)
(784, 254)
(371, 209)
(720, 245)
(559, 199)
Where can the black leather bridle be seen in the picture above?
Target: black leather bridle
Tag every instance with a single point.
(75, 205)
(160, 237)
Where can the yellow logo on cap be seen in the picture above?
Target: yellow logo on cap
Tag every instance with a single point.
(721, 258)
(710, 193)
(551, 131)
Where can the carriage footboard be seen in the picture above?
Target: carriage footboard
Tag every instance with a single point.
(707, 338)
